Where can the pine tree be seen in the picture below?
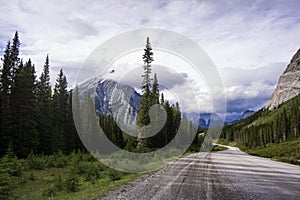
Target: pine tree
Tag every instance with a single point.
(5, 87)
(23, 107)
(60, 113)
(44, 96)
(14, 55)
(162, 99)
(169, 126)
(76, 117)
(176, 117)
(155, 91)
(148, 59)
(11, 63)
(145, 104)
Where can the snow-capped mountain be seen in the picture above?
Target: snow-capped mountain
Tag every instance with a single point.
(123, 102)
(112, 98)
(120, 101)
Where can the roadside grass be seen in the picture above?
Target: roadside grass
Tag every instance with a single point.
(225, 142)
(44, 185)
(59, 176)
(75, 176)
(288, 151)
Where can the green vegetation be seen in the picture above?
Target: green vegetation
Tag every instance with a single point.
(288, 151)
(77, 176)
(219, 148)
(38, 137)
(32, 119)
(266, 127)
(272, 134)
(149, 98)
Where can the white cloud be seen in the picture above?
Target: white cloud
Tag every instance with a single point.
(245, 39)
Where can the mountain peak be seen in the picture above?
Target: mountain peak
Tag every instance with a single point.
(288, 84)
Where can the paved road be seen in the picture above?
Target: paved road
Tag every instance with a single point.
(229, 174)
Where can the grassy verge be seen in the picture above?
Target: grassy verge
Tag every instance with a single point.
(76, 176)
(45, 185)
(288, 151)
(225, 142)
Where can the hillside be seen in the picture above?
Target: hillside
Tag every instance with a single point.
(279, 121)
(267, 126)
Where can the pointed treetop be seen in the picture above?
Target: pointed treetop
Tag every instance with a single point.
(148, 45)
(148, 56)
(47, 59)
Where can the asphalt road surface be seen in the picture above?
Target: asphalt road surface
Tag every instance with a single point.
(229, 174)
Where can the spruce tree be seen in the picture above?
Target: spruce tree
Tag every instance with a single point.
(23, 107)
(14, 55)
(5, 87)
(162, 99)
(155, 91)
(11, 63)
(60, 113)
(75, 103)
(143, 118)
(44, 96)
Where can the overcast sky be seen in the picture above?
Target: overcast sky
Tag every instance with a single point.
(250, 42)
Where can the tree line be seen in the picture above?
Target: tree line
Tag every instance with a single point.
(266, 127)
(34, 117)
(38, 118)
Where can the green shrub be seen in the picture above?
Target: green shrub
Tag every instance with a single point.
(49, 192)
(72, 183)
(32, 177)
(35, 162)
(58, 160)
(54, 188)
(11, 165)
(7, 184)
(115, 175)
(58, 183)
(91, 170)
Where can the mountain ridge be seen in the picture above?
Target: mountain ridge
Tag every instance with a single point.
(288, 84)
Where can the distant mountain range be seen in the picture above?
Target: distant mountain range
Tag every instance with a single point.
(123, 102)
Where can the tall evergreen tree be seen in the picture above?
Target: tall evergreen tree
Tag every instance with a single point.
(169, 126)
(162, 99)
(44, 96)
(143, 118)
(23, 107)
(14, 55)
(155, 91)
(75, 103)
(176, 117)
(5, 87)
(60, 113)
(11, 63)
(148, 59)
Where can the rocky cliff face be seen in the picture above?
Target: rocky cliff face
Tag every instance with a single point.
(115, 99)
(288, 85)
(120, 101)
